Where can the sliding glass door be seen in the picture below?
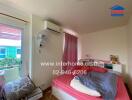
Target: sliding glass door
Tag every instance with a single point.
(10, 52)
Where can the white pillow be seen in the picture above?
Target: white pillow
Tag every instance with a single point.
(77, 85)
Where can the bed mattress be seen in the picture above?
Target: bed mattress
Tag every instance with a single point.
(63, 82)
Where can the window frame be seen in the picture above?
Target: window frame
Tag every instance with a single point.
(3, 54)
(19, 51)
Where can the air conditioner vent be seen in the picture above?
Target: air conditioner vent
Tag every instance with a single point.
(51, 26)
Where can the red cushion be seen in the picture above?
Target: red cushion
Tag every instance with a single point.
(88, 69)
(76, 68)
(84, 69)
(80, 70)
(99, 69)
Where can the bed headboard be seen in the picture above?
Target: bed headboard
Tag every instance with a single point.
(103, 63)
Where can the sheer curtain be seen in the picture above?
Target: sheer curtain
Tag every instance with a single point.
(70, 51)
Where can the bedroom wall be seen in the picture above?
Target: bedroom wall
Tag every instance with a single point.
(52, 51)
(14, 12)
(101, 44)
(130, 53)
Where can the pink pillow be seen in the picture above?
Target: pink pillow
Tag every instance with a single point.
(99, 69)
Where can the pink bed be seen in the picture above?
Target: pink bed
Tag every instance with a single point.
(63, 82)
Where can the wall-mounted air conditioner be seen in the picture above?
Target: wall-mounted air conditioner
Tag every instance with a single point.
(51, 26)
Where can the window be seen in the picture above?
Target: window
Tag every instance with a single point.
(18, 51)
(2, 52)
(11, 40)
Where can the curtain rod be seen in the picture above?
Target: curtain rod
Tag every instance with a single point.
(14, 17)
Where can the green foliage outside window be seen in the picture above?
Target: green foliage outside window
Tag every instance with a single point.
(10, 62)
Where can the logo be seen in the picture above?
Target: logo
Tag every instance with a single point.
(117, 10)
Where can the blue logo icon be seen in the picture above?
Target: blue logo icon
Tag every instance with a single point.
(117, 10)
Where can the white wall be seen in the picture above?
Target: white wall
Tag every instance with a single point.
(14, 12)
(52, 51)
(130, 53)
(100, 45)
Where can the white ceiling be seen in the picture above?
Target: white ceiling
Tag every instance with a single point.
(82, 16)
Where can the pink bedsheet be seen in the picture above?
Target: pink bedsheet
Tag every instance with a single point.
(63, 82)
